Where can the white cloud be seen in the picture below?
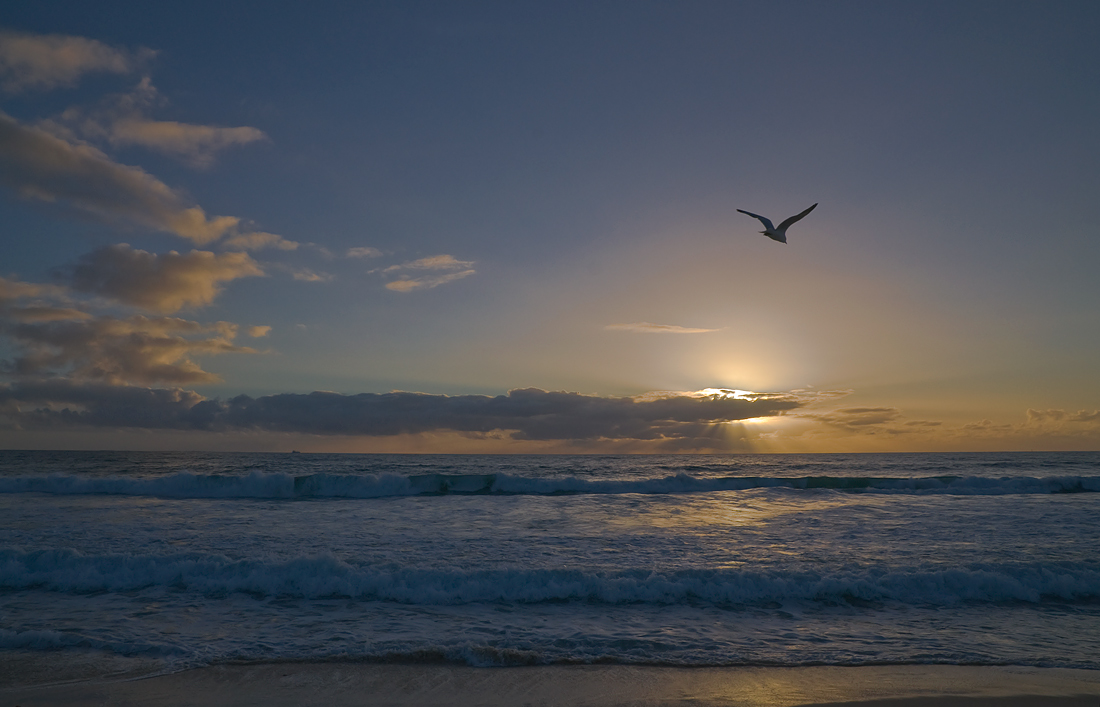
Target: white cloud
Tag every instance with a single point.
(258, 240)
(43, 313)
(1041, 417)
(162, 283)
(458, 270)
(257, 332)
(439, 262)
(31, 302)
(426, 283)
(135, 350)
(122, 120)
(434, 262)
(648, 328)
(857, 417)
(51, 335)
(881, 422)
(307, 275)
(38, 165)
(17, 289)
(196, 144)
(46, 61)
(363, 252)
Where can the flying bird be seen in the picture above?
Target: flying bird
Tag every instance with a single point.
(778, 234)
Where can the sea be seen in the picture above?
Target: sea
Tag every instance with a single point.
(141, 563)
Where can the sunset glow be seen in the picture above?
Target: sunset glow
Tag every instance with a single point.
(419, 236)
(556, 352)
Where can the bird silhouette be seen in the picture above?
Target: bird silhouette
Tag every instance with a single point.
(778, 234)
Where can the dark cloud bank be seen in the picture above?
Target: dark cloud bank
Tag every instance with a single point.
(526, 414)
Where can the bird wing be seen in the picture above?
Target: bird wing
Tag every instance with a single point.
(767, 223)
(783, 226)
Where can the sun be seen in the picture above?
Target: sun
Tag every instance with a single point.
(725, 393)
(737, 394)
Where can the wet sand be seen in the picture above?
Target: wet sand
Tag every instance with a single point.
(346, 684)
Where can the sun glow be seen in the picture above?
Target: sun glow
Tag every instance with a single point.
(723, 393)
(752, 421)
(736, 394)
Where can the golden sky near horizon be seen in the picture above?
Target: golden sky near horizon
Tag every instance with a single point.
(513, 228)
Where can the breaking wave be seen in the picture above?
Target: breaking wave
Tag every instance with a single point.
(327, 576)
(268, 485)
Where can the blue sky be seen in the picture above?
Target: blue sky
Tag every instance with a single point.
(487, 197)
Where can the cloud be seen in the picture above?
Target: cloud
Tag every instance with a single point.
(871, 421)
(59, 402)
(301, 274)
(45, 61)
(525, 414)
(197, 144)
(51, 335)
(439, 262)
(11, 290)
(1040, 417)
(647, 328)
(423, 283)
(122, 120)
(258, 240)
(30, 302)
(161, 283)
(453, 270)
(811, 396)
(43, 313)
(1050, 424)
(134, 350)
(858, 416)
(363, 252)
(857, 427)
(38, 165)
(258, 331)
(307, 275)
(434, 262)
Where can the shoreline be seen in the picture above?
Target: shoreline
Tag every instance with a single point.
(339, 684)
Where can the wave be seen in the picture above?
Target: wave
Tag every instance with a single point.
(268, 485)
(67, 570)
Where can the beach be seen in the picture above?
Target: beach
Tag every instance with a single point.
(338, 684)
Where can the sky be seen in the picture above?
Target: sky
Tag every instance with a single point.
(512, 226)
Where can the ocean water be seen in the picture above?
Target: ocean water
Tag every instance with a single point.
(148, 562)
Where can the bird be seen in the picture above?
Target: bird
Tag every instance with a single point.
(778, 234)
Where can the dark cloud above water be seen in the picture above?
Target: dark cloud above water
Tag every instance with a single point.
(529, 413)
(60, 402)
(525, 414)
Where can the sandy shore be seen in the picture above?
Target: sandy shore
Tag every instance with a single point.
(339, 684)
